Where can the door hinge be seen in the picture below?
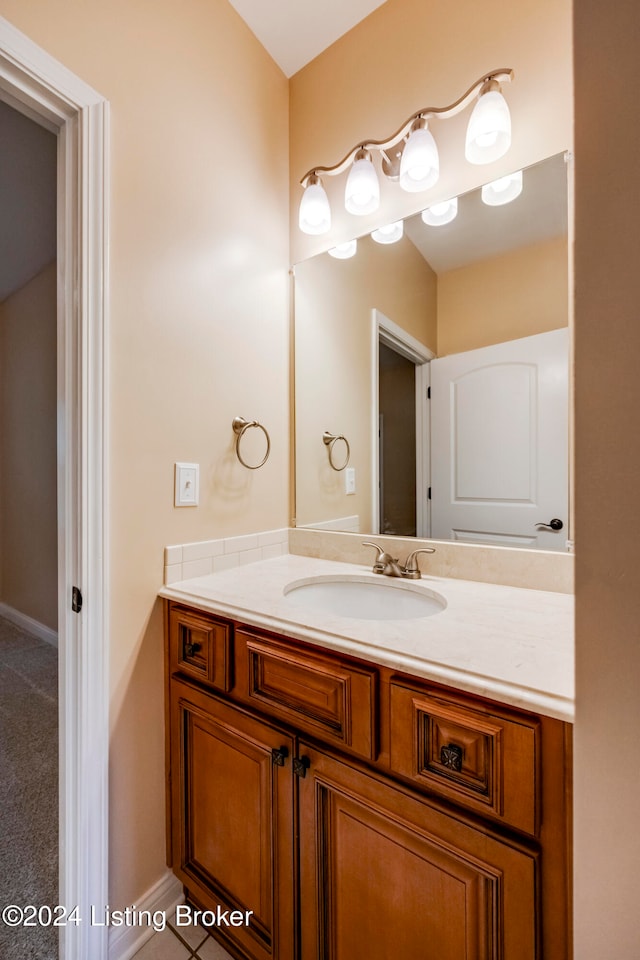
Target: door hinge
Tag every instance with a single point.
(429, 494)
(428, 393)
(76, 599)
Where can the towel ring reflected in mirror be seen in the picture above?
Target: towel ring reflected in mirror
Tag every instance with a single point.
(330, 440)
(240, 427)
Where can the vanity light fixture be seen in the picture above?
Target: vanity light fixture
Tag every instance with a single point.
(362, 192)
(344, 251)
(441, 213)
(390, 233)
(419, 164)
(503, 190)
(314, 216)
(489, 130)
(410, 155)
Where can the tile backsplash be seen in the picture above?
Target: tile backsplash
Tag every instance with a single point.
(533, 569)
(187, 560)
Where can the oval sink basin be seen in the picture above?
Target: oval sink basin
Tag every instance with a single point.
(366, 599)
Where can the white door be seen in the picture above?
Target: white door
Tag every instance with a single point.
(499, 443)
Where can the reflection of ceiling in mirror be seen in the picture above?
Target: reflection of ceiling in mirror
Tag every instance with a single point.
(480, 232)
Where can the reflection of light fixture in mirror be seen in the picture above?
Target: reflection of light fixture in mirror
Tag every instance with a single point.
(315, 213)
(503, 190)
(410, 155)
(390, 233)
(420, 164)
(344, 250)
(362, 192)
(489, 130)
(441, 213)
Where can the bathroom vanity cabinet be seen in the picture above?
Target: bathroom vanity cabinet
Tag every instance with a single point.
(358, 811)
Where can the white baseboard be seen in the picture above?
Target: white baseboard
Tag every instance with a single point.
(28, 624)
(165, 895)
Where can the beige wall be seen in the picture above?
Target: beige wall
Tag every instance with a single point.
(334, 300)
(28, 508)
(198, 330)
(607, 344)
(518, 294)
(409, 54)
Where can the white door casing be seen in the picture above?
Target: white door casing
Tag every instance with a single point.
(40, 87)
(499, 443)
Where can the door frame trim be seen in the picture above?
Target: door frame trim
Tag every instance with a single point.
(386, 331)
(40, 87)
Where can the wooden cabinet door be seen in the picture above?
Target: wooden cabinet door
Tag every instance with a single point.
(233, 833)
(385, 875)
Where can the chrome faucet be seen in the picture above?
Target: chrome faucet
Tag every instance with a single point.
(390, 567)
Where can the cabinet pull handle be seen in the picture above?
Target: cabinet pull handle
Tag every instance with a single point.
(300, 766)
(279, 755)
(451, 757)
(191, 648)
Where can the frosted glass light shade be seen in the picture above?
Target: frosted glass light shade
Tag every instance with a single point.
(390, 233)
(441, 213)
(314, 216)
(362, 191)
(503, 190)
(344, 250)
(419, 164)
(489, 130)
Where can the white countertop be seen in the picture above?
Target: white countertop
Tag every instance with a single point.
(507, 643)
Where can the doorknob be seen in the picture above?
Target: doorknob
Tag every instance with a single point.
(554, 524)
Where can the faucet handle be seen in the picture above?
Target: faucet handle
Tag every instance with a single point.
(382, 559)
(411, 568)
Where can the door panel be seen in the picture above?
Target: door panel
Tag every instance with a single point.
(384, 875)
(233, 818)
(499, 443)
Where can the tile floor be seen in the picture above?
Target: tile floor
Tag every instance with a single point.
(182, 944)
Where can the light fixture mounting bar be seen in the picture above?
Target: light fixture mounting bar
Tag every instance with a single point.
(504, 75)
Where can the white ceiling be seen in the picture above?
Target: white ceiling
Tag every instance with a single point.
(296, 31)
(27, 199)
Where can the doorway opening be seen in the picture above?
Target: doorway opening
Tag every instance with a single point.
(397, 443)
(400, 442)
(28, 527)
(39, 87)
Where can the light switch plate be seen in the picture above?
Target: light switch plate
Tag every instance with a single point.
(187, 484)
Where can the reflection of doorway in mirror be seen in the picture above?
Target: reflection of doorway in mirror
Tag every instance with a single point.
(400, 440)
(396, 443)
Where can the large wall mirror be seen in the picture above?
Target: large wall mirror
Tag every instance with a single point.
(431, 374)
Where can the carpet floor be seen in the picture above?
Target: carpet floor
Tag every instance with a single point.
(28, 788)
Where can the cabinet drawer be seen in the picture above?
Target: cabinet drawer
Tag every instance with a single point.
(201, 647)
(479, 759)
(320, 695)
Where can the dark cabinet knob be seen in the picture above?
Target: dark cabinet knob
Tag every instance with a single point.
(301, 765)
(191, 648)
(451, 757)
(279, 755)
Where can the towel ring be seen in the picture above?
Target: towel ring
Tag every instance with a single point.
(329, 440)
(240, 426)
